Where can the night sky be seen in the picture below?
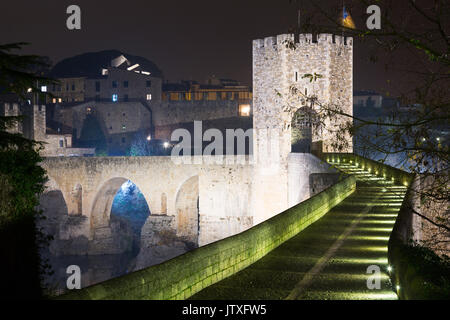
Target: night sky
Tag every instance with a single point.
(186, 39)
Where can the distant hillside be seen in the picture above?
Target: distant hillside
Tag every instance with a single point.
(91, 64)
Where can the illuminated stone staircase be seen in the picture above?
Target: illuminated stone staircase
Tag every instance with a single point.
(332, 259)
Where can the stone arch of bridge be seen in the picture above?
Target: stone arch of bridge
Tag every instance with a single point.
(53, 202)
(187, 210)
(104, 198)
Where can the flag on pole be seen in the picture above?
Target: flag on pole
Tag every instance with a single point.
(347, 20)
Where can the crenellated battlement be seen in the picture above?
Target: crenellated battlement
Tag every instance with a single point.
(304, 39)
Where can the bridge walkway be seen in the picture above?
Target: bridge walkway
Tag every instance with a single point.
(332, 258)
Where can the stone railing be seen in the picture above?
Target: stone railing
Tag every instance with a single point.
(187, 274)
(413, 275)
(397, 176)
(408, 266)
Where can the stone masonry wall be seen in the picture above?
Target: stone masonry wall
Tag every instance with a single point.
(279, 90)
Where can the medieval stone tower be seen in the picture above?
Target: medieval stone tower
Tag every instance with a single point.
(280, 89)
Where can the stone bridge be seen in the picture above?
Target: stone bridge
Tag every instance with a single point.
(205, 202)
(319, 249)
(201, 203)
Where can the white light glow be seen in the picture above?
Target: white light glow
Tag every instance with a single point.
(133, 67)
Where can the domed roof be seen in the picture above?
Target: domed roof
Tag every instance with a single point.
(90, 64)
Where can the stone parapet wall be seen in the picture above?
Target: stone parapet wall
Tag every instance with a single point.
(397, 176)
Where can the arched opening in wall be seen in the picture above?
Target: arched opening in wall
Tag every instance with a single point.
(118, 215)
(130, 208)
(187, 208)
(77, 201)
(55, 215)
(54, 208)
(303, 122)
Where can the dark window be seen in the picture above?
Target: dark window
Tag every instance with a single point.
(114, 84)
(61, 143)
(125, 84)
(67, 87)
(123, 140)
(73, 87)
(148, 84)
(97, 86)
(97, 97)
(125, 97)
(123, 114)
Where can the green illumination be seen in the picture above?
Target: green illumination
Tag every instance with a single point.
(389, 230)
(369, 238)
(381, 215)
(379, 221)
(379, 261)
(342, 295)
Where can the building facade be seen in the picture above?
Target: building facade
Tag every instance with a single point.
(34, 127)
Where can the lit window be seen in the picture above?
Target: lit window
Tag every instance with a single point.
(149, 97)
(59, 100)
(115, 97)
(124, 127)
(54, 100)
(244, 110)
(44, 88)
(88, 110)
